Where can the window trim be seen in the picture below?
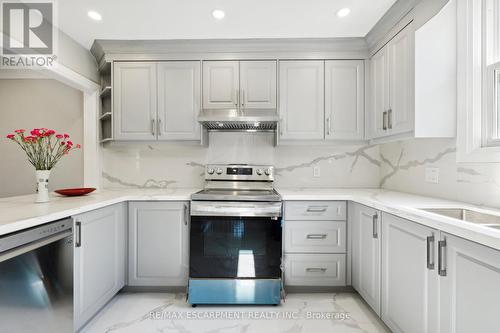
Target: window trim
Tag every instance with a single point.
(473, 121)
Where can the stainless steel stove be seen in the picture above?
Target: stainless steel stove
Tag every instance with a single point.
(235, 237)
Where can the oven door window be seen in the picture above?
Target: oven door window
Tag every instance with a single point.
(235, 247)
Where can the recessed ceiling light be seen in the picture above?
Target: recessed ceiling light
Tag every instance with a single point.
(343, 12)
(94, 15)
(218, 14)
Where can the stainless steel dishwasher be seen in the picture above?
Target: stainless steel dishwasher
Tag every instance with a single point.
(36, 279)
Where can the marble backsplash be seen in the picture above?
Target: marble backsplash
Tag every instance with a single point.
(162, 165)
(403, 167)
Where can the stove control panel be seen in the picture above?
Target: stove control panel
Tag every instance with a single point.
(239, 172)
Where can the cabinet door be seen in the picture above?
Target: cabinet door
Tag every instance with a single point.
(365, 254)
(158, 243)
(220, 84)
(134, 96)
(178, 100)
(99, 260)
(401, 82)
(344, 99)
(409, 282)
(302, 100)
(470, 292)
(258, 84)
(379, 92)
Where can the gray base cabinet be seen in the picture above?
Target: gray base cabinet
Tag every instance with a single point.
(469, 287)
(315, 243)
(409, 278)
(99, 259)
(158, 243)
(364, 226)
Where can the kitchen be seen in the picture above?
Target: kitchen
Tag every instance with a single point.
(332, 167)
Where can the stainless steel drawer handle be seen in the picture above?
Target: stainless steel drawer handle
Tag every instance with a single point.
(430, 252)
(316, 236)
(78, 234)
(312, 209)
(441, 258)
(315, 270)
(152, 127)
(375, 226)
(384, 121)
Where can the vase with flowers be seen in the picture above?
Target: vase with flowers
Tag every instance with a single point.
(44, 148)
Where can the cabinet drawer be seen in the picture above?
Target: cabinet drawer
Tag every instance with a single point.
(315, 210)
(315, 237)
(318, 270)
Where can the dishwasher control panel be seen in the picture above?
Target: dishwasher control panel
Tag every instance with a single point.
(23, 237)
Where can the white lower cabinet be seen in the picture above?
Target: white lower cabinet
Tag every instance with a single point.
(318, 270)
(315, 243)
(364, 224)
(158, 243)
(410, 290)
(469, 286)
(99, 260)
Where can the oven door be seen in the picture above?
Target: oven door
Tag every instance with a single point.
(235, 240)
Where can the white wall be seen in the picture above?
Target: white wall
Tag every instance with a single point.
(175, 166)
(404, 163)
(34, 103)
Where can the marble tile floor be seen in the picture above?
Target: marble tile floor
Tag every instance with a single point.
(300, 313)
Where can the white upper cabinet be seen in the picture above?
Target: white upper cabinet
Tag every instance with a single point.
(410, 283)
(413, 80)
(365, 229)
(379, 94)
(344, 99)
(258, 84)
(301, 106)
(239, 84)
(391, 84)
(469, 286)
(401, 82)
(178, 100)
(221, 84)
(134, 100)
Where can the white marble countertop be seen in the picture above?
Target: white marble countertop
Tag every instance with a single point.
(17, 213)
(407, 206)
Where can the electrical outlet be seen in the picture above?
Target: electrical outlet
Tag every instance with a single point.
(432, 175)
(316, 171)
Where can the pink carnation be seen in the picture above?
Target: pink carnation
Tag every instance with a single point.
(10, 136)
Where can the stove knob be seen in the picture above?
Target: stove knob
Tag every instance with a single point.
(268, 172)
(260, 172)
(210, 171)
(219, 171)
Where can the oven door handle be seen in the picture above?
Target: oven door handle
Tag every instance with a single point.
(236, 209)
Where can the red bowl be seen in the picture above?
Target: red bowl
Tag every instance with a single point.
(75, 192)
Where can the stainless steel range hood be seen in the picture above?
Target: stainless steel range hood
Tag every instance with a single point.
(255, 120)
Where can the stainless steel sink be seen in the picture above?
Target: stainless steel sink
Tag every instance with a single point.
(487, 220)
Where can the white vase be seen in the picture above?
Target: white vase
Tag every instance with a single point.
(42, 181)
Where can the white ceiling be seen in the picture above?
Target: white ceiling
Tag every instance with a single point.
(192, 19)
